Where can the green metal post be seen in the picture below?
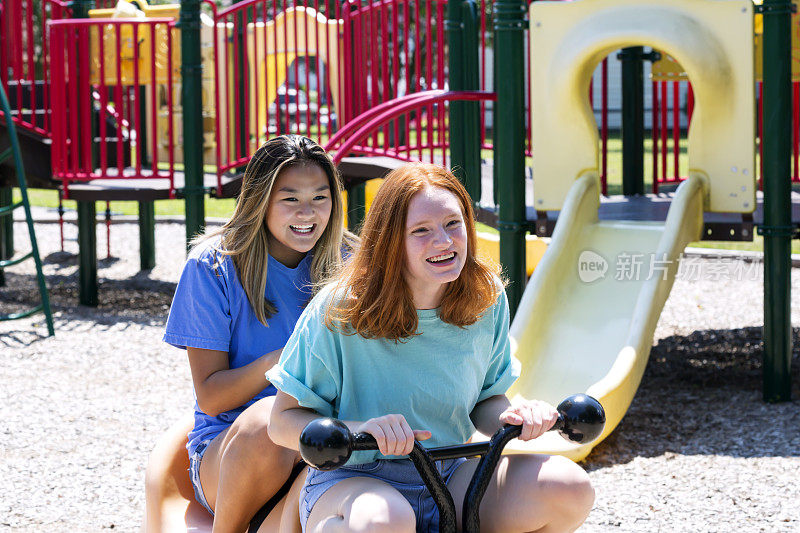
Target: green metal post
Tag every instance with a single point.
(6, 231)
(242, 22)
(87, 213)
(356, 206)
(7, 225)
(472, 111)
(509, 141)
(191, 100)
(80, 8)
(455, 43)
(463, 65)
(147, 235)
(777, 228)
(87, 252)
(632, 120)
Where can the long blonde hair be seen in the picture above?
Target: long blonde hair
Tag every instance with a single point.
(245, 235)
(380, 303)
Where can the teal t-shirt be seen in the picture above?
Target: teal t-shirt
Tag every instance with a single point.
(434, 379)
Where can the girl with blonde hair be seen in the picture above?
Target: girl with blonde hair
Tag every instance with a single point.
(411, 342)
(240, 294)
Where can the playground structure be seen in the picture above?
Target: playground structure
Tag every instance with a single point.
(283, 67)
(565, 344)
(374, 117)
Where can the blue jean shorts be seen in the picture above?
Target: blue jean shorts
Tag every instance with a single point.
(194, 473)
(400, 474)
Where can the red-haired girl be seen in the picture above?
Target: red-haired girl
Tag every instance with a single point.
(412, 342)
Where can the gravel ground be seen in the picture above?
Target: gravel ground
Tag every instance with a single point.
(697, 451)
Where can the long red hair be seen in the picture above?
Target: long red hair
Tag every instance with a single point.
(378, 302)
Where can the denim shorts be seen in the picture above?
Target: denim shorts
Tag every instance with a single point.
(400, 474)
(194, 473)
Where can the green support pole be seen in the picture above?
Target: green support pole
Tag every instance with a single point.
(456, 78)
(509, 141)
(241, 23)
(356, 206)
(632, 120)
(80, 8)
(6, 231)
(191, 100)
(463, 66)
(87, 213)
(777, 227)
(6, 225)
(472, 112)
(87, 252)
(147, 235)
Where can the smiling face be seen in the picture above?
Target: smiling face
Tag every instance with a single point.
(436, 245)
(299, 209)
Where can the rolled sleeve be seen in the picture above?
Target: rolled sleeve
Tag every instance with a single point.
(285, 382)
(200, 313)
(305, 376)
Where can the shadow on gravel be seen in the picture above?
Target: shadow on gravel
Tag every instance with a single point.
(702, 395)
(21, 337)
(138, 299)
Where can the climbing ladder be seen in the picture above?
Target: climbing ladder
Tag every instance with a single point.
(7, 211)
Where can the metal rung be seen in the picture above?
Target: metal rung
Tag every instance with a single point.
(9, 208)
(23, 314)
(12, 262)
(5, 155)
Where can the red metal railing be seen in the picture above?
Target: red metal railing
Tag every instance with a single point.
(327, 64)
(110, 82)
(277, 69)
(24, 59)
(350, 139)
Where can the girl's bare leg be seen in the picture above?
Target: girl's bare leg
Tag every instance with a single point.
(529, 493)
(361, 504)
(242, 469)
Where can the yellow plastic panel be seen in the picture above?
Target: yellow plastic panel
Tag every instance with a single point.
(711, 39)
(126, 56)
(298, 31)
(489, 247)
(667, 69)
(585, 324)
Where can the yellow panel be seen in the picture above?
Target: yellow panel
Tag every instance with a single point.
(489, 247)
(125, 57)
(296, 32)
(668, 69)
(712, 39)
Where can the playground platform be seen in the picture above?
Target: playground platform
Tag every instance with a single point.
(654, 208)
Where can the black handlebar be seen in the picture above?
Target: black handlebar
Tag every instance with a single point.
(327, 443)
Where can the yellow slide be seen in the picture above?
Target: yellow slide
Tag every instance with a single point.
(587, 317)
(586, 320)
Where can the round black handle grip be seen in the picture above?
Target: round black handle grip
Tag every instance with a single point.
(326, 443)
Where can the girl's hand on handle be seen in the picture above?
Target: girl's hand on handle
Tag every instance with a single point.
(393, 434)
(534, 416)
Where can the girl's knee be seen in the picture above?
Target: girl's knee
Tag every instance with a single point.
(379, 512)
(363, 505)
(249, 437)
(569, 487)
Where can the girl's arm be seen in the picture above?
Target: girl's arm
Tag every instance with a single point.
(534, 416)
(288, 420)
(220, 388)
(392, 432)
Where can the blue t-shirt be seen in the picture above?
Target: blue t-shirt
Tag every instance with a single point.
(434, 379)
(210, 310)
